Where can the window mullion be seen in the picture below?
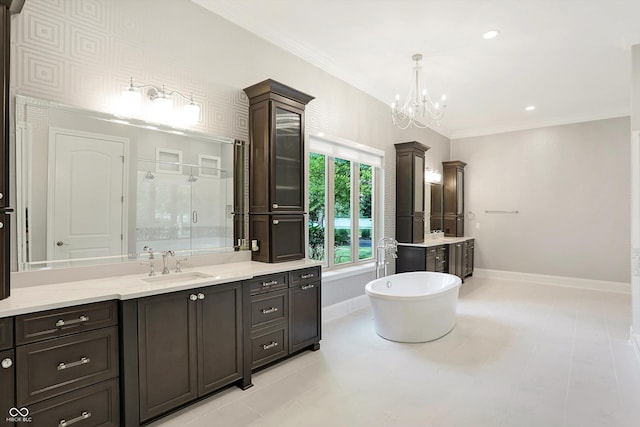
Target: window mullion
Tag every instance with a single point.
(330, 212)
(355, 211)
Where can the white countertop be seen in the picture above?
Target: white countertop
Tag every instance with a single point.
(45, 297)
(428, 242)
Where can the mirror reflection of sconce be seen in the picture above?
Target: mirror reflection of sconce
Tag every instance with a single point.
(432, 175)
(162, 110)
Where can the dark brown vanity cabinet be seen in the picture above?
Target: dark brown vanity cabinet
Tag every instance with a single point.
(421, 258)
(190, 344)
(410, 192)
(67, 365)
(453, 198)
(461, 258)
(304, 309)
(7, 368)
(276, 171)
(7, 8)
(285, 315)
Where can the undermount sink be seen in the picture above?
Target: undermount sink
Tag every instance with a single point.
(177, 277)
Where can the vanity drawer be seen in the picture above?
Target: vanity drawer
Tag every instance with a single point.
(92, 406)
(268, 283)
(6, 333)
(269, 345)
(55, 323)
(269, 308)
(304, 276)
(49, 368)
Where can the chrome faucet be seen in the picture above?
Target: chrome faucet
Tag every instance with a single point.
(386, 246)
(165, 254)
(151, 262)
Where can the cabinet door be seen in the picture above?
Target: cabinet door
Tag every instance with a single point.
(304, 315)
(287, 237)
(167, 352)
(7, 382)
(287, 163)
(456, 259)
(411, 258)
(219, 336)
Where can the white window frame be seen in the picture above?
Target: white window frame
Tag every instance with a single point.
(334, 147)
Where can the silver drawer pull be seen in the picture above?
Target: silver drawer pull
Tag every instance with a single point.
(60, 323)
(83, 361)
(268, 346)
(7, 363)
(276, 222)
(273, 282)
(269, 310)
(200, 295)
(83, 416)
(307, 276)
(193, 297)
(305, 287)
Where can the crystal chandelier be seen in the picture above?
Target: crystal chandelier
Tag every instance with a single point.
(418, 109)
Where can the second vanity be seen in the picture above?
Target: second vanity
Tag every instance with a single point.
(454, 255)
(127, 350)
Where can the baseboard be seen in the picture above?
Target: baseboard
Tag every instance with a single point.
(344, 308)
(567, 282)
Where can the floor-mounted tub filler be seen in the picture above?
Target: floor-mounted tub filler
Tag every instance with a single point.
(414, 307)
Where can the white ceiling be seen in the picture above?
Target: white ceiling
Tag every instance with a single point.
(569, 58)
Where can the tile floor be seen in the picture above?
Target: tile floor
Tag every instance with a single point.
(520, 355)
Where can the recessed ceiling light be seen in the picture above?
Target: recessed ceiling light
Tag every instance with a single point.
(530, 108)
(491, 34)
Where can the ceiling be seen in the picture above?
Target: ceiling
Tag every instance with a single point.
(569, 58)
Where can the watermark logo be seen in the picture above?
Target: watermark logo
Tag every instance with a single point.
(19, 415)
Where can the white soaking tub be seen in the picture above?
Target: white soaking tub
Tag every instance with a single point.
(414, 307)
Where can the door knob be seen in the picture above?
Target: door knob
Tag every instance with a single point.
(60, 243)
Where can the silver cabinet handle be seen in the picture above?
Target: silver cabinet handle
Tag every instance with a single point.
(1, 196)
(7, 363)
(83, 416)
(307, 276)
(194, 217)
(82, 319)
(269, 310)
(275, 206)
(1, 225)
(273, 282)
(268, 346)
(83, 361)
(276, 222)
(193, 297)
(200, 295)
(305, 287)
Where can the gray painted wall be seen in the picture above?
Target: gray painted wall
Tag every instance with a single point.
(571, 187)
(83, 53)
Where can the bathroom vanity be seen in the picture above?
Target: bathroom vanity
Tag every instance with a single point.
(454, 255)
(124, 351)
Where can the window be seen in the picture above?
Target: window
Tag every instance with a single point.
(342, 209)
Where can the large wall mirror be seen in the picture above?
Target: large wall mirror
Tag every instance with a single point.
(93, 188)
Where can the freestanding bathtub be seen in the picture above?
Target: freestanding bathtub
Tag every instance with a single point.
(414, 307)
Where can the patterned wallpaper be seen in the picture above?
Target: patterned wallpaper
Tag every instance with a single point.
(84, 52)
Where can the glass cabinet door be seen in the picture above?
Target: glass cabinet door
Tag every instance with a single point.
(286, 189)
(418, 183)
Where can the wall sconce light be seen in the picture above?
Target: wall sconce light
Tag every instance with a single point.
(432, 175)
(162, 110)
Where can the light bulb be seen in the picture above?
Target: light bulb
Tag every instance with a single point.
(191, 113)
(131, 100)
